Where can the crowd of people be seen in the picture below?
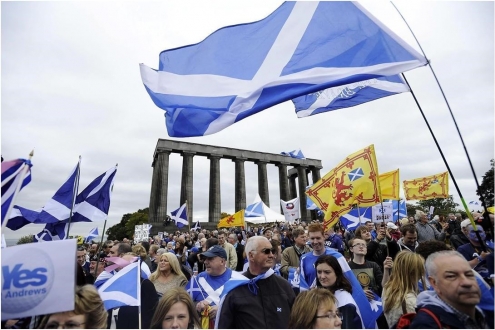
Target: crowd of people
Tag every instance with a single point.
(292, 276)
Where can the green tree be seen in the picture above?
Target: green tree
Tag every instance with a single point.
(125, 229)
(443, 206)
(223, 215)
(411, 209)
(487, 186)
(25, 239)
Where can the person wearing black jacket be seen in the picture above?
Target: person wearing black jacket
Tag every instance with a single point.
(239, 250)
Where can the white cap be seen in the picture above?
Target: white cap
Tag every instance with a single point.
(465, 223)
(391, 225)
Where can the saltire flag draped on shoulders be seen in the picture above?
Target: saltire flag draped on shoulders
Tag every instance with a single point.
(429, 187)
(353, 181)
(243, 69)
(55, 210)
(122, 289)
(15, 173)
(355, 217)
(180, 216)
(256, 209)
(294, 154)
(349, 95)
(390, 184)
(234, 220)
(93, 233)
(92, 204)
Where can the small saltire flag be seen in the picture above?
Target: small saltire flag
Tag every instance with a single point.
(356, 217)
(291, 209)
(294, 154)
(234, 220)
(353, 181)
(13, 172)
(197, 226)
(429, 187)
(243, 69)
(474, 203)
(389, 184)
(180, 216)
(256, 209)
(399, 209)
(346, 96)
(93, 233)
(122, 288)
(55, 210)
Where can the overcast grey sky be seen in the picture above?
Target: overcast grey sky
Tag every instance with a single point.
(71, 86)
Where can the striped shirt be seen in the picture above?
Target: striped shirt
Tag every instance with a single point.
(427, 232)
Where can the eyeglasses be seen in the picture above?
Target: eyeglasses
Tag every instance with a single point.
(267, 250)
(330, 315)
(68, 325)
(110, 246)
(359, 244)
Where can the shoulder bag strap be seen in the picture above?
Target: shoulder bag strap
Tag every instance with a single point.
(433, 316)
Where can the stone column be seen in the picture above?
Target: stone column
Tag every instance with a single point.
(263, 183)
(283, 183)
(159, 188)
(215, 201)
(292, 186)
(303, 182)
(315, 173)
(186, 187)
(240, 184)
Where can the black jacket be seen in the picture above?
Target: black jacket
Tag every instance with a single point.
(240, 259)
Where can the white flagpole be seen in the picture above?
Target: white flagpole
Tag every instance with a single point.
(139, 289)
(75, 191)
(17, 189)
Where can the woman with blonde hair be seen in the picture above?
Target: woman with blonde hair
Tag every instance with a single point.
(168, 274)
(315, 309)
(401, 291)
(89, 312)
(175, 310)
(140, 251)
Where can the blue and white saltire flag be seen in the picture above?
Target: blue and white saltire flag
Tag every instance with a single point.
(256, 209)
(13, 171)
(294, 154)
(356, 217)
(293, 277)
(209, 86)
(376, 306)
(474, 203)
(197, 226)
(52, 232)
(55, 210)
(93, 233)
(398, 207)
(122, 289)
(180, 216)
(349, 95)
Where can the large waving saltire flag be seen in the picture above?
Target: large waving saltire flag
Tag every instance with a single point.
(349, 95)
(429, 187)
(399, 209)
(243, 69)
(256, 209)
(180, 216)
(15, 173)
(353, 181)
(356, 217)
(389, 184)
(55, 210)
(122, 289)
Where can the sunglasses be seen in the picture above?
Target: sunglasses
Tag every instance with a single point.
(268, 251)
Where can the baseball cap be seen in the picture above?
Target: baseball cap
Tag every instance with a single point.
(215, 251)
(465, 223)
(194, 249)
(102, 257)
(391, 225)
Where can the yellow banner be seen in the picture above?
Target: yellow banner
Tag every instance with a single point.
(235, 220)
(429, 187)
(389, 185)
(353, 181)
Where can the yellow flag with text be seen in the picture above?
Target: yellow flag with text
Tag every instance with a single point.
(234, 220)
(389, 184)
(429, 187)
(353, 181)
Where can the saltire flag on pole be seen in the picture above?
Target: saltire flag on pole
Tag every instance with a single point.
(93, 233)
(197, 226)
(55, 210)
(349, 95)
(234, 220)
(389, 184)
(122, 289)
(399, 209)
(180, 216)
(429, 187)
(294, 154)
(16, 174)
(243, 69)
(355, 217)
(353, 181)
(92, 204)
(291, 209)
(256, 209)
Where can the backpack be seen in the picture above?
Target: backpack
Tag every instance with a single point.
(406, 319)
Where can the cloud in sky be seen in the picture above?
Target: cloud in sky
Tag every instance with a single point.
(71, 86)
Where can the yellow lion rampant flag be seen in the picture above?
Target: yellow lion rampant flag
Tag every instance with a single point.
(429, 187)
(353, 181)
(389, 185)
(235, 220)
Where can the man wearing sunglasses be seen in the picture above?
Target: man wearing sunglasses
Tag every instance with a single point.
(263, 300)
